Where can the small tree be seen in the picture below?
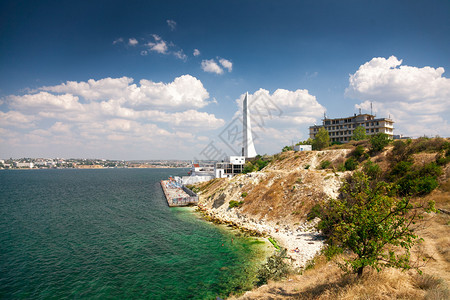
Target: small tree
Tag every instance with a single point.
(359, 133)
(367, 220)
(379, 141)
(358, 152)
(351, 164)
(322, 139)
(309, 141)
(249, 167)
(275, 268)
(372, 170)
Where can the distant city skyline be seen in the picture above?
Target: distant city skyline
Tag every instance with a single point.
(137, 80)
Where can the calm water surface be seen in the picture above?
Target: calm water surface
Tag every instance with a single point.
(109, 234)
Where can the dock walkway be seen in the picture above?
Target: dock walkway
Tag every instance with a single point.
(178, 196)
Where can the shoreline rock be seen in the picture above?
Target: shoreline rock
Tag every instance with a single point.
(302, 241)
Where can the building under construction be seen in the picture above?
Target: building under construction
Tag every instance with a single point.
(341, 129)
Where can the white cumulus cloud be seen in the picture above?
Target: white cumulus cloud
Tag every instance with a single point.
(416, 98)
(159, 45)
(60, 127)
(196, 52)
(226, 64)
(94, 89)
(47, 102)
(16, 119)
(184, 92)
(180, 55)
(209, 65)
(109, 115)
(133, 42)
(291, 108)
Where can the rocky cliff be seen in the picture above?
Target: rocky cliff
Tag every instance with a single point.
(275, 201)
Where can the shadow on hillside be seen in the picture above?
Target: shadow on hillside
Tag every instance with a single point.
(329, 290)
(310, 236)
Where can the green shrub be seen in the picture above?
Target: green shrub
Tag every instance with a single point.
(193, 188)
(309, 141)
(351, 164)
(358, 152)
(431, 169)
(235, 204)
(423, 144)
(248, 168)
(378, 142)
(287, 148)
(325, 164)
(307, 167)
(425, 185)
(260, 164)
(419, 145)
(442, 160)
(341, 168)
(413, 185)
(274, 269)
(400, 169)
(359, 133)
(372, 169)
(315, 212)
(400, 150)
(322, 139)
(257, 165)
(369, 221)
(244, 194)
(418, 181)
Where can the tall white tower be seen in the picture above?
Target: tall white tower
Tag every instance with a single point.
(248, 148)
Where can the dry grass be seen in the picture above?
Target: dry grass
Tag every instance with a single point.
(275, 198)
(327, 282)
(350, 145)
(421, 159)
(445, 186)
(286, 191)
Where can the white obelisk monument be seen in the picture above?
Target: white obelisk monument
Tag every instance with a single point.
(248, 148)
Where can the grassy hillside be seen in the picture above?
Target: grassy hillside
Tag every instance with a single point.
(291, 187)
(416, 168)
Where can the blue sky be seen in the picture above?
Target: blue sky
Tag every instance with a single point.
(119, 79)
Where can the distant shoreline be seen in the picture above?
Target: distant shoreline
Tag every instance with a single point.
(92, 168)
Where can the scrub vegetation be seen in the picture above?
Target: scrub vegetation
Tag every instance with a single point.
(387, 232)
(257, 164)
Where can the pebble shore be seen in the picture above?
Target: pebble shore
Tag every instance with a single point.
(302, 241)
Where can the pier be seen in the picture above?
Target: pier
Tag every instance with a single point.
(178, 195)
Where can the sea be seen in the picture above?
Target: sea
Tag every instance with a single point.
(109, 234)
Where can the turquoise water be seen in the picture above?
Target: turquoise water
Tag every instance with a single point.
(109, 234)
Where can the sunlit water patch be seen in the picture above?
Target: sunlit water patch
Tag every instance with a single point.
(110, 234)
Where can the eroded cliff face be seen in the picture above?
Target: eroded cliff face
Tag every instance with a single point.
(276, 200)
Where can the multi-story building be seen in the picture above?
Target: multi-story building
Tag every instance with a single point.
(341, 129)
(229, 169)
